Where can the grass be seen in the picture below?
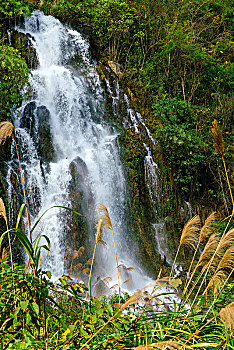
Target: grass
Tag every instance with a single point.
(196, 312)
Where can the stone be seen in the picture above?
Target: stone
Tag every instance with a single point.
(115, 67)
(80, 193)
(45, 144)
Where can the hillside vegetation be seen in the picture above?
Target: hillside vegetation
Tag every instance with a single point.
(176, 64)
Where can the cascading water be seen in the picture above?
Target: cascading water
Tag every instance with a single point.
(67, 100)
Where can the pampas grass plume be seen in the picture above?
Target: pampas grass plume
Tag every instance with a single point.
(209, 250)
(105, 217)
(6, 130)
(218, 137)
(190, 232)
(207, 227)
(227, 315)
(164, 345)
(3, 210)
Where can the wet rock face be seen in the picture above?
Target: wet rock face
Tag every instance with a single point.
(36, 121)
(82, 202)
(45, 145)
(22, 42)
(28, 119)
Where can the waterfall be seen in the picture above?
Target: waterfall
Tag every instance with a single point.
(65, 140)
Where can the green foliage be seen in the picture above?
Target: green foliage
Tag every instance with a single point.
(14, 8)
(176, 55)
(14, 75)
(181, 144)
(38, 313)
(31, 318)
(170, 50)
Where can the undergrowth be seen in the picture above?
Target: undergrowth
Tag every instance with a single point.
(171, 313)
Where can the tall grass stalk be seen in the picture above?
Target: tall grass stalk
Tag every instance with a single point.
(7, 130)
(106, 223)
(220, 291)
(209, 264)
(132, 300)
(189, 237)
(219, 146)
(3, 214)
(98, 240)
(205, 231)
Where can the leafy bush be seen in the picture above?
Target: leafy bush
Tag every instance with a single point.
(14, 75)
(181, 144)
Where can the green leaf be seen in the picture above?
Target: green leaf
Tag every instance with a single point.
(24, 304)
(16, 311)
(20, 215)
(83, 333)
(35, 308)
(109, 309)
(175, 282)
(201, 345)
(48, 273)
(100, 312)
(28, 318)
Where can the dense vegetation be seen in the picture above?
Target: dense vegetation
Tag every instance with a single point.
(176, 59)
(176, 63)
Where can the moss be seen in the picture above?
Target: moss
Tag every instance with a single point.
(142, 235)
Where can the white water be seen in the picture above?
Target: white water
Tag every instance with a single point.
(74, 99)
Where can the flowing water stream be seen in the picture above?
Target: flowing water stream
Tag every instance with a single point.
(68, 99)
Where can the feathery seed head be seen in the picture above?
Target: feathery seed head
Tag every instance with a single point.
(164, 345)
(207, 227)
(105, 217)
(99, 234)
(132, 300)
(218, 137)
(209, 250)
(227, 315)
(78, 253)
(190, 232)
(227, 240)
(6, 130)
(227, 261)
(217, 281)
(3, 210)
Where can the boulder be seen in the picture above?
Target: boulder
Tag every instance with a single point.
(45, 144)
(22, 42)
(82, 202)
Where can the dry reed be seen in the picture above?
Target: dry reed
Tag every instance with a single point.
(98, 240)
(78, 253)
(106, 223)
(204, 233)
(219, 146)
(3, 210)
(209, 250)
(190, 233)
(206, 229)
(218, 137)
(7, 130)
(227, 240)
(189, 236)
(227, 315)
(227, 260)
(217, 281)
(165, 345)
